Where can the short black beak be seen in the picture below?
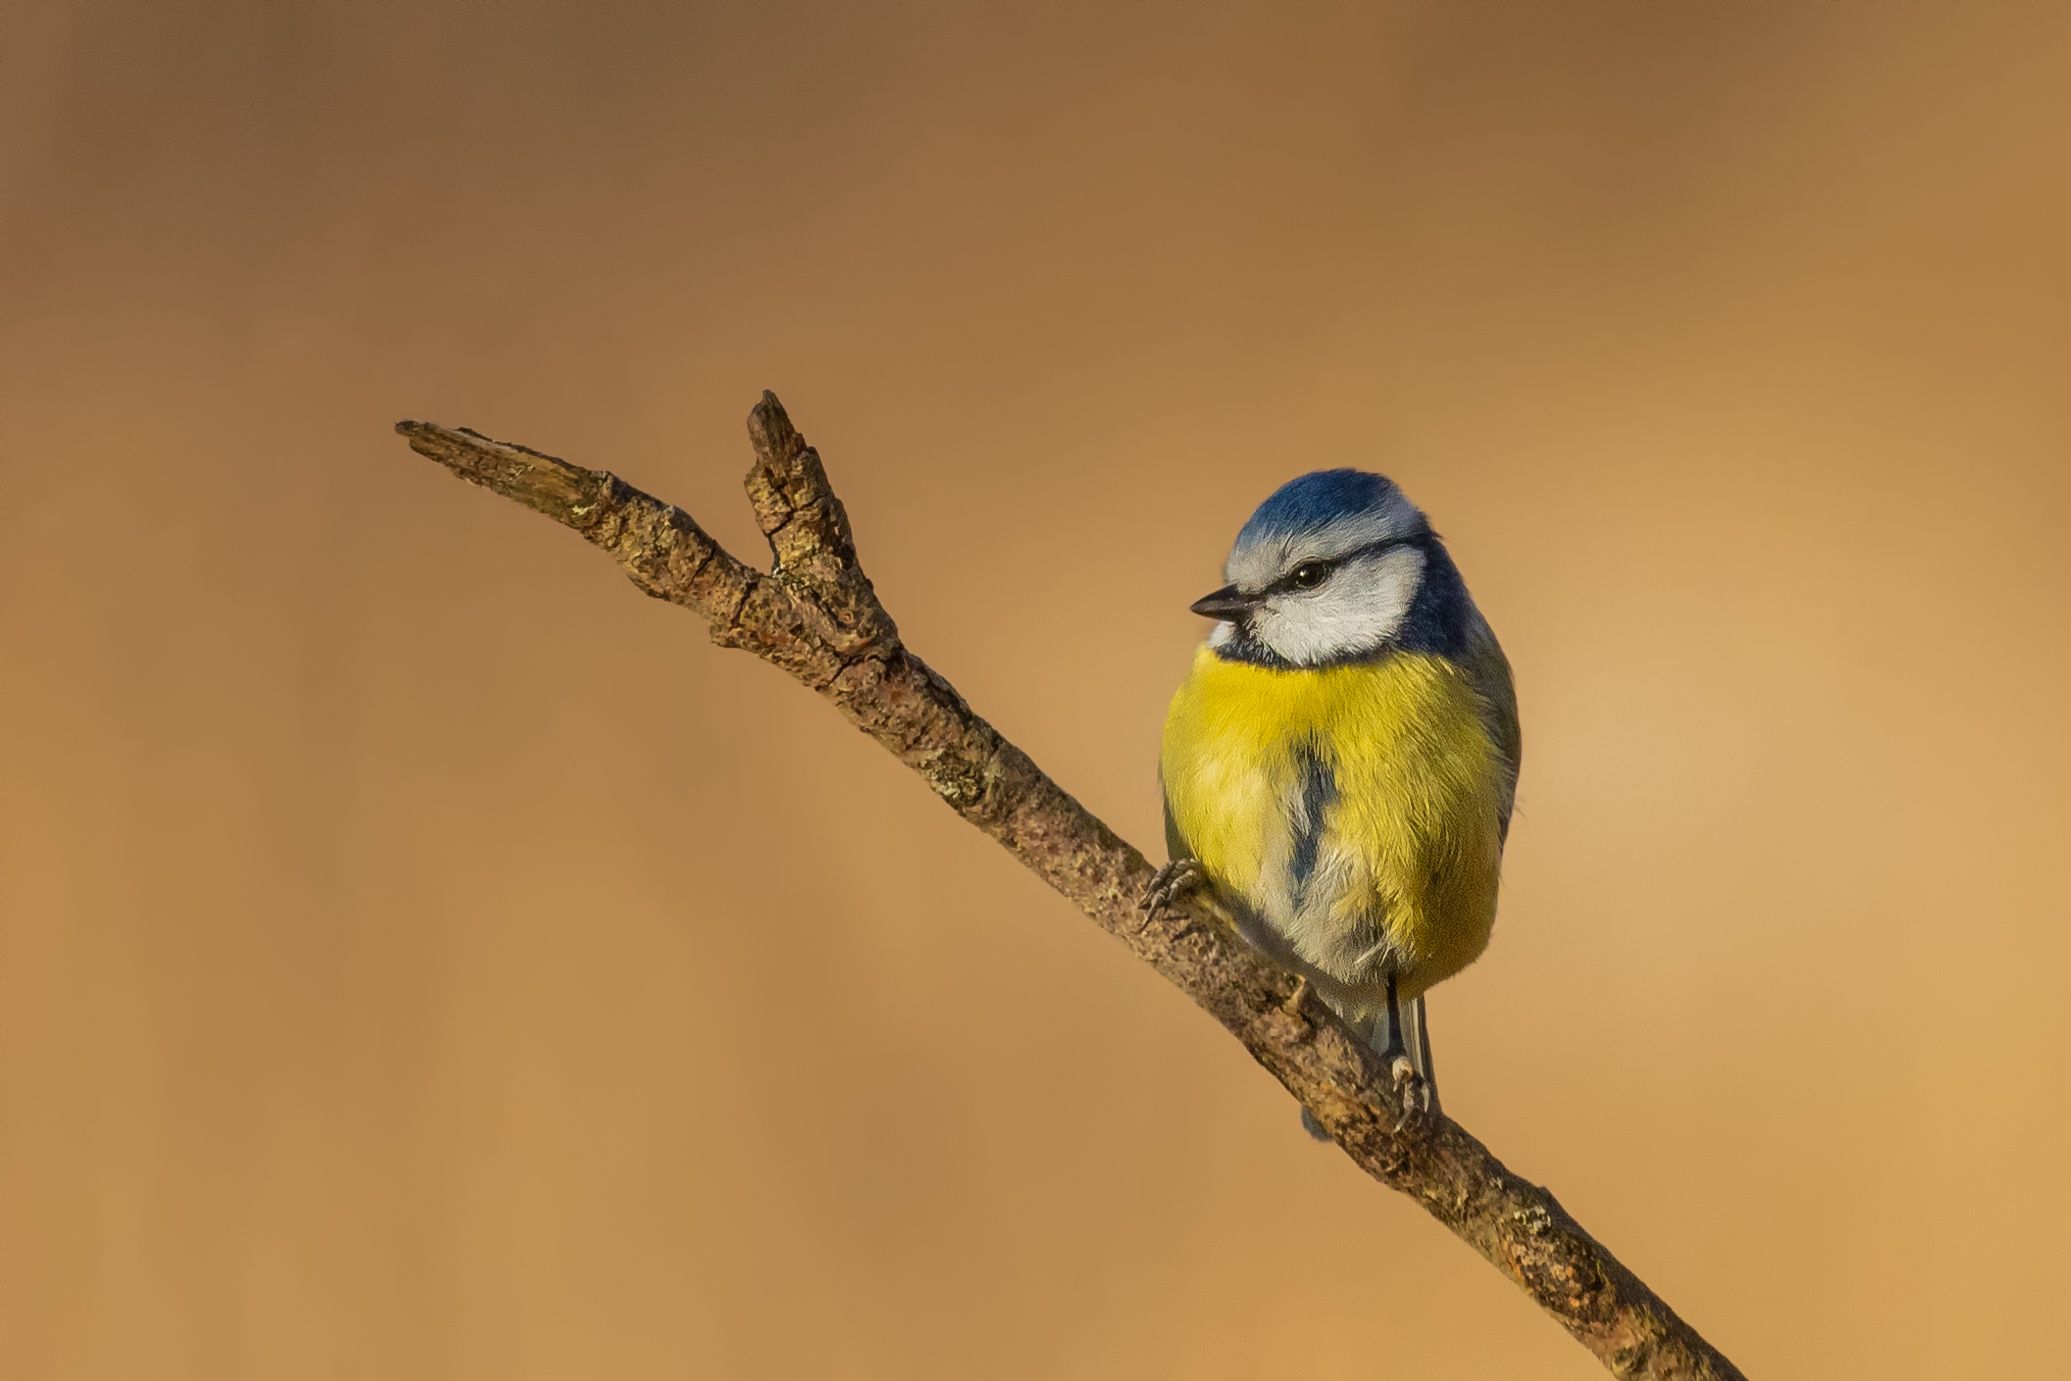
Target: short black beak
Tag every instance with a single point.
(1227, 603)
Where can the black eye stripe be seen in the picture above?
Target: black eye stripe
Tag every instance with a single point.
(1287, 582)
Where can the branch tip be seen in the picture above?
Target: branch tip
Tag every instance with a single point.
(796, 508)
(771, 431)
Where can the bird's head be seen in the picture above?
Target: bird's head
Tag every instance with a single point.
(1327, 570)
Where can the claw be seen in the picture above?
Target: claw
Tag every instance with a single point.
(1172, 881)
(1414, 1090)
(1293, 1005)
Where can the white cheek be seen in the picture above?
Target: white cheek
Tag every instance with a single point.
(1362, 607)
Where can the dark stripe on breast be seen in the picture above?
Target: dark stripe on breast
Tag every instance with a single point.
(1319, 788)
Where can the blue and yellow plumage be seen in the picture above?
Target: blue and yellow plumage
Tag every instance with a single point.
(1341, 760)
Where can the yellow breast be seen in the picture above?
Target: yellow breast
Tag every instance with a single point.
(1345, 806)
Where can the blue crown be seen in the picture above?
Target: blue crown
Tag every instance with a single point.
(1314, 499)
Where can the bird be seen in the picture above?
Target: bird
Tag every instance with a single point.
(1340, 763)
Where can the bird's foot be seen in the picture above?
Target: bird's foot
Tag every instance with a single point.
(1291, 1005)
(1173, 881)
(1415, 1091)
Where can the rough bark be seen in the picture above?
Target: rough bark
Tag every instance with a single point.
(814, 614)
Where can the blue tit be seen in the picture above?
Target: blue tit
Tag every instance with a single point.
(1339, 764)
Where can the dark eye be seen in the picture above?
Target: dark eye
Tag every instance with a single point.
(1309, 574)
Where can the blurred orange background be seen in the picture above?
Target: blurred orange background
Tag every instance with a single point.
(427, 958)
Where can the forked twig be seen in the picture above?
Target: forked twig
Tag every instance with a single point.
(814, 614)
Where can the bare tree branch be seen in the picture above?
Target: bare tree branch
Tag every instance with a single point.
(815, 614)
